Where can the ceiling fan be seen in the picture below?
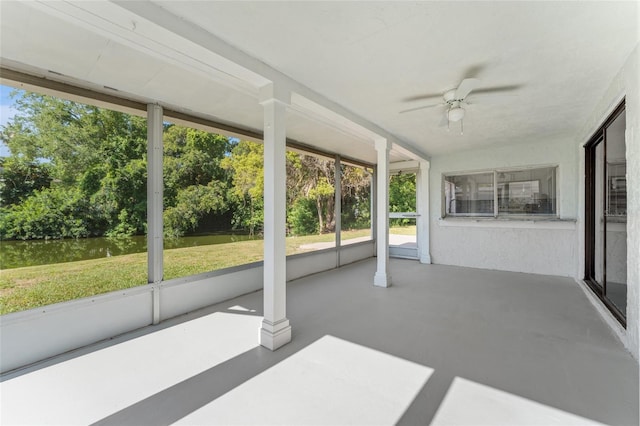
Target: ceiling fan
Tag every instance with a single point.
(455, 99)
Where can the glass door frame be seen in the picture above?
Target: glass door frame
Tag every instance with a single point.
(406, 168)
(591, 214)
(399, 251)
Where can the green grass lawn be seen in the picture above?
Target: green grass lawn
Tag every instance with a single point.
(35, 286)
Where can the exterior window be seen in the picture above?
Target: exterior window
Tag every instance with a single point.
(519, 192)
(213, 204)
(470, 195)
(73, 202)
(355, 209)
(311, 196)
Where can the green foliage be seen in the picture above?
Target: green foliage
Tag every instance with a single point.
(19, 178)
(121, 200)
(309, 176)
(94, 152)
(322, 190)
(71, 136)
(246, 165)
(302, 217)
(192, 203)
(95, 159)
(49, 213)
(402, 196)
(356, 197)
(192, 157)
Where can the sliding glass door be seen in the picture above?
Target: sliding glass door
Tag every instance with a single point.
(606, 214)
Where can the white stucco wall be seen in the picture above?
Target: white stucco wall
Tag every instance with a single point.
(542, 247)
(625, 85)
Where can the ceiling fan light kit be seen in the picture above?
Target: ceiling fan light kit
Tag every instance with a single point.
(456, 113)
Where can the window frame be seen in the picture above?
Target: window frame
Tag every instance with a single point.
(497, 214)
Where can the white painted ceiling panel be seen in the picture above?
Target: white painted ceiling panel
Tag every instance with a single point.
(310, 132)
(35, 38)
(124, 68)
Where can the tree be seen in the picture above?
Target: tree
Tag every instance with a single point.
(49, 213)
(192, 204)
(196, 184)
(312, 177)
(19, 178)
(192, 157)
(246, 162)
(402, 195)
(98, 152)
(356, 197)
(69, 135)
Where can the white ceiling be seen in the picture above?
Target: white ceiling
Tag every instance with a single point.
(362, 59)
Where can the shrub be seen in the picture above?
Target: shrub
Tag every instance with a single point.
(303, 219)
(50, 213)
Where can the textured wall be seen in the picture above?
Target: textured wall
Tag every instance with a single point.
(632, 78)
(537, 250)
(521, 246)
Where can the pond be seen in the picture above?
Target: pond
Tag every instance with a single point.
(18, 254)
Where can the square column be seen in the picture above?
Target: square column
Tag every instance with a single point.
(422, 189)
(382, 277)
(275, 330)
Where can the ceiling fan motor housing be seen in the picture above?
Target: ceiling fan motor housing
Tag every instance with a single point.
(450, 96)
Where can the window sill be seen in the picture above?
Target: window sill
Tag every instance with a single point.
(514, 223)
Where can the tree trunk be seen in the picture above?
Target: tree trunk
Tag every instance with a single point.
(330, 221)
(320, 221)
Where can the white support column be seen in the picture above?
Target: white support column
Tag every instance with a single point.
(382, 277)
(337, 184)
(422, 189)
(374, 204)
(154, 204)
(275, 331)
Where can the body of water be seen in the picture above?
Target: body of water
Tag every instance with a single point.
(18, 254)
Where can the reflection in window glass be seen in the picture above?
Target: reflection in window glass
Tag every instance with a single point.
(355, 185)
(517, 192)
(469, 195)
(311, 221)
(72, 202)
(530, 191)
(615, 214)
(213, 203)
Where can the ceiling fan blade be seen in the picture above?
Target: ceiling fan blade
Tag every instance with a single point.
(422, 97)
(467, 85)
(419, 108)
(498, 89)
(474, 71)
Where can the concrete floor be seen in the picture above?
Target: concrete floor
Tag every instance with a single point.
(462, 346)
